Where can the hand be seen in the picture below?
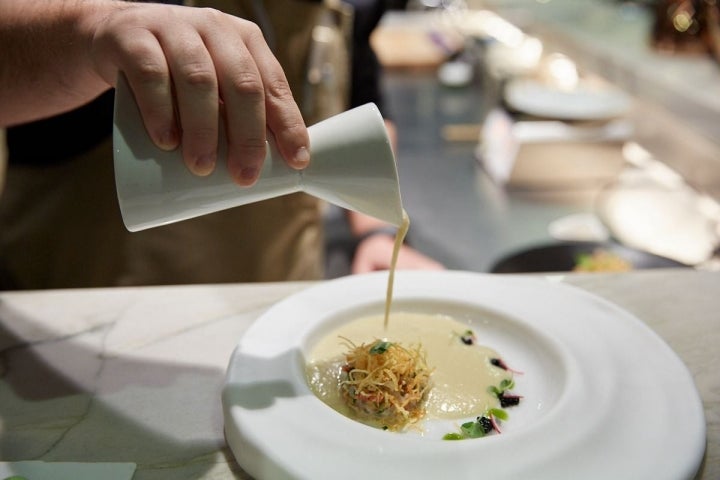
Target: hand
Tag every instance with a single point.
(375, 252)
(188, 67)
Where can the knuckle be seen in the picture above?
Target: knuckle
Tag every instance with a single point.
(151, 73)
(198, 76)
(252, 145)
(212, 14)
(247, 151)
(294, 129)
(279, 89)
(248, 84)
(119, 17)
(251, 31)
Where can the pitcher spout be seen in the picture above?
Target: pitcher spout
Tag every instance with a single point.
(353, 165)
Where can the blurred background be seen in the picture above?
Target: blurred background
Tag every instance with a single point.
(552, 135)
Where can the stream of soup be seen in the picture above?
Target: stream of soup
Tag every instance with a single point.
(399, 239)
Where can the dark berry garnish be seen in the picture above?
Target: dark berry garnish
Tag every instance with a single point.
(468, 338)
(508, 399)
(486, 424)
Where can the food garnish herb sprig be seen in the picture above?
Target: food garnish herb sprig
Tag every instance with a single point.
(506, 398)
(481, 426)
(489, 421)
(380, 347)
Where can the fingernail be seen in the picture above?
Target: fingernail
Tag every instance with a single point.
(248, 174)
(169, 139)
(204, 164)
(302, 157)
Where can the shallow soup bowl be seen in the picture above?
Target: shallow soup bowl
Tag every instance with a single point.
(572, 348)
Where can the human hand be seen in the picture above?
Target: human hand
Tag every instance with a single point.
(375, 252)
(190, 67)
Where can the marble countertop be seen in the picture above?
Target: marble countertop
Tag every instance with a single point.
(133, 375)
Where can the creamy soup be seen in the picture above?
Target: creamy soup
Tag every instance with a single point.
(461, 372)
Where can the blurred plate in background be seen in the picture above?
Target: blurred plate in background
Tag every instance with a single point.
(567, 256)
(583, 102)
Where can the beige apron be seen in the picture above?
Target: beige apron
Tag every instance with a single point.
(60, 226)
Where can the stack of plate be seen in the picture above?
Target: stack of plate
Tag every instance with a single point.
(557, 129)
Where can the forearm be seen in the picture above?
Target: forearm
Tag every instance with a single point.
(45, 62)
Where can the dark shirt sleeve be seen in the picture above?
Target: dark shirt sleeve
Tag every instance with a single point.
(62, 137)
(365, 68)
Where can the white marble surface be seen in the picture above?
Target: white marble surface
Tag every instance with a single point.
(134, 374)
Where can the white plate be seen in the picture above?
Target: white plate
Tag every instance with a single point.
(581, 103)
(604, 396)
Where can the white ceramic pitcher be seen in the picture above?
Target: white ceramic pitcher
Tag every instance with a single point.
(352, 165)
